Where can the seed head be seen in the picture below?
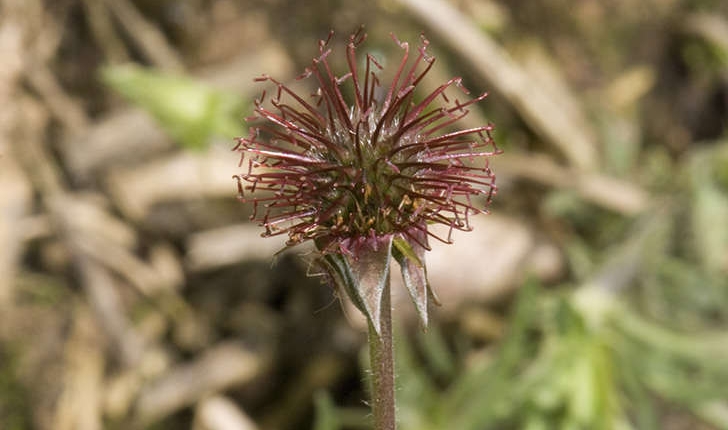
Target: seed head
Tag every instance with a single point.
(363, 169)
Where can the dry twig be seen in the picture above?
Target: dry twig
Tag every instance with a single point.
(221, 413)
(146, 36)
(608, 192)
(221, 367)
(79, 407)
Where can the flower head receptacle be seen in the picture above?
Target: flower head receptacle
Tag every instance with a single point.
(362, 169)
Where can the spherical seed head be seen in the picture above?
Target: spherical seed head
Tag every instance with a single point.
(360, 165)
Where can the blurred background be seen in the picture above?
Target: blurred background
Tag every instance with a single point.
(135, 294)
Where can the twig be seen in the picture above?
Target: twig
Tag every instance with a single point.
(102, 294)
(146, 36)
(221, 413)
(179, 177)
(79, 405)
(15, 188)
(41, 36)
(611, 193)
(223, 246)
(221, 367)
(63, 106)
(141, 275)
(15, 204)
(103, 30)
(126, 136)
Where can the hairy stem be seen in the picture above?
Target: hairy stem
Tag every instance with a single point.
(381, 354)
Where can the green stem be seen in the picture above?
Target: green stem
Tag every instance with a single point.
(381, 354)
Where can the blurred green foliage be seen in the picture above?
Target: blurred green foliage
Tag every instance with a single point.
(556, 370)
(190, 111)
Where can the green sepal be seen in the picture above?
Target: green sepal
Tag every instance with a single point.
(411, 258)
(404, 248)
(363, 276)
(340, 275)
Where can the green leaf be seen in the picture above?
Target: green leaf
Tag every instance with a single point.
(325, 413)
(190, 111)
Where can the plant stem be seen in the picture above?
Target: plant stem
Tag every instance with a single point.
(381, 354)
